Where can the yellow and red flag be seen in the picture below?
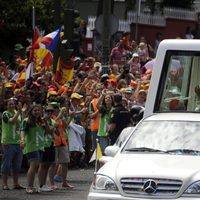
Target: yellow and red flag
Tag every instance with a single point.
(64, 72)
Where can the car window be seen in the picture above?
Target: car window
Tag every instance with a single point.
(166, 135)
(123, 136)
(180, 76)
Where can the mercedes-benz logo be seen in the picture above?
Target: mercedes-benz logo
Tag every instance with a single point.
(150, 186)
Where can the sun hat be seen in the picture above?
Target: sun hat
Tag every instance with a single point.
(8, 85)
(52, 93)
(122, 90)
(52, 86)
(128, 90)
(112, 81)
(104, 77)
(77, 58)
(135, 55)
(76, 96)
(62, 89)
(18, 47)
(133, 83)
(97, 64)
(142, 91)
(55, 104)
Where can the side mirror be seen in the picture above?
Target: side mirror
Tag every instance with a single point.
(104, 159)
(111, 150)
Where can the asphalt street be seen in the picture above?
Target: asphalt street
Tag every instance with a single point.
(79, 178)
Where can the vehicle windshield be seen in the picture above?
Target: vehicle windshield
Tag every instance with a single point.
(165, 136)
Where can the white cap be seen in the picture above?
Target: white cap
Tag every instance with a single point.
(135, 55)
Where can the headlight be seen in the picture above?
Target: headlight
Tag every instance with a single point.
(104, 183)
(194, 188)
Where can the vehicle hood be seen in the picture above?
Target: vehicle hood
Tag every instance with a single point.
(153, 166)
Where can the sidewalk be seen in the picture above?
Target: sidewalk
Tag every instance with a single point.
(80, 178)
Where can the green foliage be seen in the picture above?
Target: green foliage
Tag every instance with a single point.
(187, 4)
(151, 4)
(130, 5)
(16, 19)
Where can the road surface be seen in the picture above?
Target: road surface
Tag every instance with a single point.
(80, 178)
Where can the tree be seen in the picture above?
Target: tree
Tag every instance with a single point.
(187, 4)
(16, 20)
(130, 5)
(151, 4)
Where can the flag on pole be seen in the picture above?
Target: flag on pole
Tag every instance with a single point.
(98, 156)
(36, 36)
(47, 60)
(21, 77)
(48, 41)
(41, 56)
(99, 152)
(93, 157)
(29, 70)
(35, 40)
(64, 72)
(25, 74)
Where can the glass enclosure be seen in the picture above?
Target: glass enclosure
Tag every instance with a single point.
(179, 77)
(166, 135)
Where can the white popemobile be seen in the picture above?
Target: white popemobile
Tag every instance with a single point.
(160, 159)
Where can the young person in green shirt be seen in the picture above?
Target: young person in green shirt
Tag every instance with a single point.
(32, 141)
(10, 139)
(48, 156)
(105, 107)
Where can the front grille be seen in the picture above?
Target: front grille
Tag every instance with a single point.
(164, 187)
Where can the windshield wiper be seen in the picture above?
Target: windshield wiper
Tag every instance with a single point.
(184, 151)
(145, 149)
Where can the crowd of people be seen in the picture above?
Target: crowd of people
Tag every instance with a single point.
(48, 128)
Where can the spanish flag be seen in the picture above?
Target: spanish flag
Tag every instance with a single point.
(64, 72)
(42, 58)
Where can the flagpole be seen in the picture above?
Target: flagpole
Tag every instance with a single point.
(137, 19)
(96, 161)
(33, 27)
(98, 155)
(29, 63)
(33, 18)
